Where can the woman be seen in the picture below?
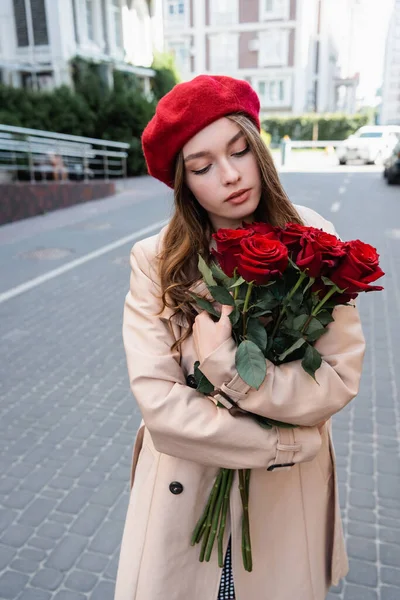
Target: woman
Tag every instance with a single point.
(204, 142)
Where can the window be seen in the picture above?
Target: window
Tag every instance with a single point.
(274, 9)
(274, 48)
(224, 12)
(370, 134)
(274, 93)
(75, 18)
(180, 52)
(39, 23)
(21, 23)
(176, 11)
(89, 19)
(223, 53)
(117, 23)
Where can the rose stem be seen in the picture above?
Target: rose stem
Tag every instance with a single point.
(247, 486)
(215, 493)
(247, 480)
(222, 523)
(246, 305)
(246, 544)
(200, 525)
(316, 310)
(286, 301)
(246, 547)
(216, 515)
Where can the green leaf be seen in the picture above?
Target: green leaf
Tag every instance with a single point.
(266, 302)
(204, 386)
(267, 423)
(206, 271)
(250, 364)
(256, 333)
(312, 361)
(221, 294)
(297, 344)
(293, 264)
(260, 313)
(278, 290)
(313, 337)
(300, 321)
(325, 317)
(327, 281)
(314, 325)
(314, 330)
(296, 301)
(220, 275)
(264, 423)
(309, 284)
(290, 333)
(205, 304)
(234, 316)
(237, 282)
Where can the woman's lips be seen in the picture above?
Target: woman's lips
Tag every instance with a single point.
(239, 199)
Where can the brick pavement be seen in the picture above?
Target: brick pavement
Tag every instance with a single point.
(67, 422)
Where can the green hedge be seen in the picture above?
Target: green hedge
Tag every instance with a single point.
(91, 109)
(330, 126)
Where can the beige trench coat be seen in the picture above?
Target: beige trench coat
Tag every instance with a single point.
(296, 532)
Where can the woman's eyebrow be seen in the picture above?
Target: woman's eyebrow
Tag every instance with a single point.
(237, 136)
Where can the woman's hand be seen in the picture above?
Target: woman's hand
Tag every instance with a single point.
(208, 335)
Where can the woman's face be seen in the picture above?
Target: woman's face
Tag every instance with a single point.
(218, 163)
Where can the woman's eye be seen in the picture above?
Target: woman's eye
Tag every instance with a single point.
(202, 171)
(242, 152)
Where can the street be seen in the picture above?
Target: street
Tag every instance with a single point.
(68, 419)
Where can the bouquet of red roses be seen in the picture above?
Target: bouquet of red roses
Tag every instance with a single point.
(283, 285)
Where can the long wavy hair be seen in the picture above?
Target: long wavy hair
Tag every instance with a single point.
(189, 231)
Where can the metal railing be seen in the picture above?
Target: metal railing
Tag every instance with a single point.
(36, 155)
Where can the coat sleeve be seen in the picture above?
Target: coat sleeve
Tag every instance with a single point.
(288, 393)
(182, 422)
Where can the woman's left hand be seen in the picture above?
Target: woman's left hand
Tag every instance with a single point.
(208, 335)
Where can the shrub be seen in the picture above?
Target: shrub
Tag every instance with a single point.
(330, 126)
(166, 75)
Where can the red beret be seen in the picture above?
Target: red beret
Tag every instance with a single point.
(188, 108)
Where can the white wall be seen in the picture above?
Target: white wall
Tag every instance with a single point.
(390, 113)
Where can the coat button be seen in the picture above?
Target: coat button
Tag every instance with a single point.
(175, 487)
(191, 381)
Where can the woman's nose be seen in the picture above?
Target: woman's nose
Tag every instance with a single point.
(229, 173)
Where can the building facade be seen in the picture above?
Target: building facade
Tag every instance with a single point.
(284, 48)
(38, 38)
(390, 112)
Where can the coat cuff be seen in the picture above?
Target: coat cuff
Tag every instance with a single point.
(295, 445)
(219, 366)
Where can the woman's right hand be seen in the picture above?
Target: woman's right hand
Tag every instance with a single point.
(208, 335)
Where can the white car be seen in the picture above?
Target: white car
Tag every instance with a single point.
(372, 144)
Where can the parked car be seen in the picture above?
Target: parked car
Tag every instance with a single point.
(372, 144)
(392, 166)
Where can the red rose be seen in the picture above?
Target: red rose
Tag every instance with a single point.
(264, 228)
(292, 235)
(228, 247)
(358, 268)
(319, 253)
(261, 259)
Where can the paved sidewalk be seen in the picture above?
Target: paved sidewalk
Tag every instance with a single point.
(67, 417)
